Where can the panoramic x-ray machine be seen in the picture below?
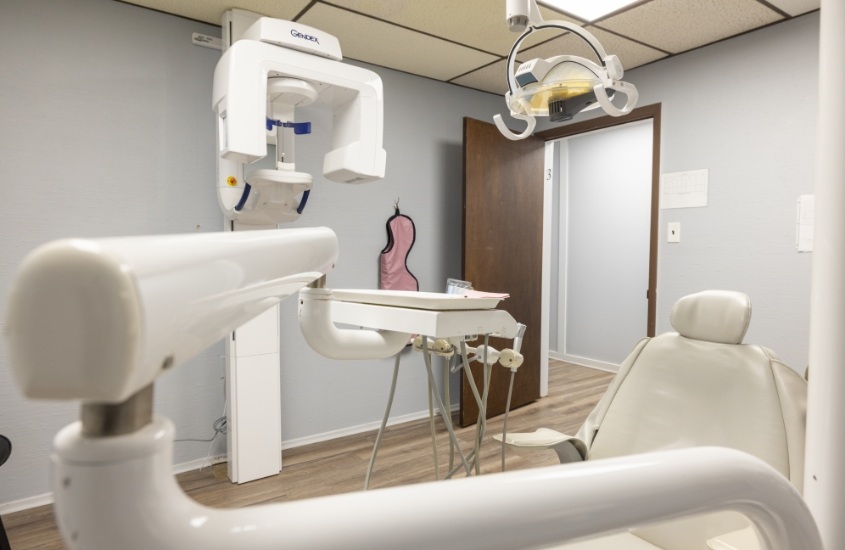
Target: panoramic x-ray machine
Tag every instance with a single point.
(268, 69)
(97, 321)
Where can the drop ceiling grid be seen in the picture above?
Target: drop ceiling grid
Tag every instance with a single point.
(382, 32)
(211, 11)
(488, 79)
(796, 7)
(380, 43)
(475, 23)
(630, 53)
(680, 25)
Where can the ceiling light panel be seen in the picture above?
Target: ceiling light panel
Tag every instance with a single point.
(588, 10)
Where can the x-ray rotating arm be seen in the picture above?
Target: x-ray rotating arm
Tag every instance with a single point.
(355, 94)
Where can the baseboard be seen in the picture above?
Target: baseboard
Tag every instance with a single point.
(26, 503)
(47, 498)
(353, 430)
(584, 362)
(198, 463)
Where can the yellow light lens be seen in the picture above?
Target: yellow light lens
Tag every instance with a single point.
(561, 90)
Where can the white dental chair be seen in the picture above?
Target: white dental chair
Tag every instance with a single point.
(698, 387)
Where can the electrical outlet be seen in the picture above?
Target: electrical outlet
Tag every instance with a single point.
(673, 232)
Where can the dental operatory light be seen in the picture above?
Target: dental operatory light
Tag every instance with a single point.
(561, 86)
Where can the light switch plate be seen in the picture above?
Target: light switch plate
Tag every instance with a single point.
(673, 232)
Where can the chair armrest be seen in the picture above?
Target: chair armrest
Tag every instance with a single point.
(567, 447)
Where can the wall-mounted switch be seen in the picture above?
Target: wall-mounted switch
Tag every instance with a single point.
(673, 232)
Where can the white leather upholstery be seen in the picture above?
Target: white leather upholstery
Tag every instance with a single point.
(687, 393)
(701, 387)
(713, 316)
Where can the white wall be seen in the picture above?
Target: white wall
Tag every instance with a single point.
(746, 109)
(106, 129)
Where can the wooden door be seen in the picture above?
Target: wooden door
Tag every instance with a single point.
(503, 250)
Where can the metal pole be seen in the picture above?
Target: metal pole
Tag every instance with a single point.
(824, 476)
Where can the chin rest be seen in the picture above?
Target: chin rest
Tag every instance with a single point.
(699, 386)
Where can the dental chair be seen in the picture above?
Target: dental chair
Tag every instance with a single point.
(5, 452)
(699, 386)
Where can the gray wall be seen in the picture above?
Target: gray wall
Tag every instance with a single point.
(746, 109)
(605, 241)
(106, 129)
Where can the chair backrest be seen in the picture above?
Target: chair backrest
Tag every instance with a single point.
(701, 386)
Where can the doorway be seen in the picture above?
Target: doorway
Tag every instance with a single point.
(506, 172)
(603, 214)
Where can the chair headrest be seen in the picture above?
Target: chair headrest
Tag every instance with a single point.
(712, 315)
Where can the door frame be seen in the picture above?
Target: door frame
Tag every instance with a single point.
(646, 112)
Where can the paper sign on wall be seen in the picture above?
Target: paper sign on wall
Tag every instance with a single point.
(805, 221)
(684, 189)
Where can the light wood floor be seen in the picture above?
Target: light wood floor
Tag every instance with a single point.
(339, 466)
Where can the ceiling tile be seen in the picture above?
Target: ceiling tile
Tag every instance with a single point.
(211, 11)
(679, 25)
(387, 45)
(630, 53)
(489, 79)
(796, 7)
(476, 23)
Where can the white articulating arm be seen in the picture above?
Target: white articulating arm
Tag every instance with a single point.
(97, 320)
